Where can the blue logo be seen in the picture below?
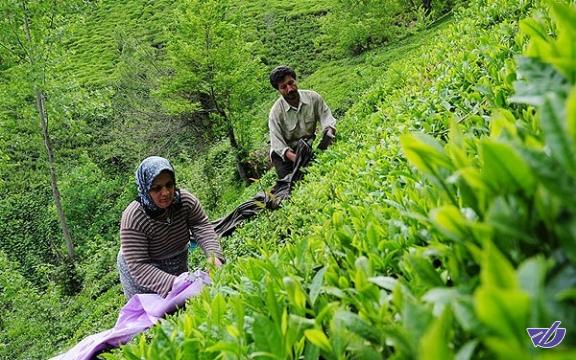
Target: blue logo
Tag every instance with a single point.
(547, 338)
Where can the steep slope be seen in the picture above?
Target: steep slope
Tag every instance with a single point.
(96, 150)
(457, 254)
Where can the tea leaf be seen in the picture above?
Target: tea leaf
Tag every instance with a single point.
(496, 269)
(467, 350)
(555, 132)
(357, 325)
(505, 311)
(571, 115)
(504, 168)
(535, 80)
(316, 285)
(318, 338)
(435, 343)
(385, 282)
(425, 153)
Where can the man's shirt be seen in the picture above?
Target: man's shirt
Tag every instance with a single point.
(288, 124)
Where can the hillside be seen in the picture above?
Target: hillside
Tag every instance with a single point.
(442, 254)
(103, 77)
(439, 225)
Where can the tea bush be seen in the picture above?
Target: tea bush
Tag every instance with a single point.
(439, 225)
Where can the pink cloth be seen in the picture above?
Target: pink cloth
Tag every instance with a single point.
(140, 312)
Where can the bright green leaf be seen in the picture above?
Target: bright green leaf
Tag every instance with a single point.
(385, 282)
(435, 343)
(571, 115)
(504, 168)
(451, 222)
(218, 308)
(555, 132)
(467, 350)
(318, 338)
(357, 325)
(496, 269)
(505, 311)
(535, 80)
(425, 153)
(316, 284)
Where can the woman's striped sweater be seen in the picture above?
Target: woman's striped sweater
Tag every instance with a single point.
(145, 240)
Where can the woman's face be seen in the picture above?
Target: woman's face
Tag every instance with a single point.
(162, 190)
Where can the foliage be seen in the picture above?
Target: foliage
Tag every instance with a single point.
(214, 71)
(372, 258)
(93, 42)
(89, 202)
(138, 125)
(212, 178)
(30, 41)
(31, 321)
(352, 27)
(356, 26)
(289, 38)
(438, 225)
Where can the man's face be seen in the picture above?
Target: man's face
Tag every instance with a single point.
(288, 88)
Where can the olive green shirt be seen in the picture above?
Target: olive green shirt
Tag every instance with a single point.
(288, 124)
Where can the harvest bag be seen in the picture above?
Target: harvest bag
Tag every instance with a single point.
(140, 312)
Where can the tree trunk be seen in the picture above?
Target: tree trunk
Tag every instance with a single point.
(427, 6)
(240, 166)
(53, 179)
(40, 106)
(70, 281)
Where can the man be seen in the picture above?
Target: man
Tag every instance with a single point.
(293, 117)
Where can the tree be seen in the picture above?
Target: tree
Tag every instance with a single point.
(29, 42)
(215, 74)
(139, 119)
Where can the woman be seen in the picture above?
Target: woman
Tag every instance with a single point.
(155, 230)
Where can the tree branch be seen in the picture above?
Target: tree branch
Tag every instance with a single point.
(22, 46)
(49, 50)
(11, 51)
(26, 31)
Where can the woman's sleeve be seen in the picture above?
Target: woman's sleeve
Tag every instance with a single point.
(202, 230)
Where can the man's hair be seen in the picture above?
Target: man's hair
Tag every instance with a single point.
(279, 73)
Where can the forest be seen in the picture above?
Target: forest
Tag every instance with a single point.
(441, 224)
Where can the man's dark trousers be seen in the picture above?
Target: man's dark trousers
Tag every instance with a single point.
(282, 167)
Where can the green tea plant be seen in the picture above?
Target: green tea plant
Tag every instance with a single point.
(353, 27)
(509, 211)
(438, 226)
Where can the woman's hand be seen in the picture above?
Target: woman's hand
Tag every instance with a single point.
(214, 261)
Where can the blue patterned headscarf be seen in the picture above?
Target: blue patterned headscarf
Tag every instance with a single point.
(147, 171)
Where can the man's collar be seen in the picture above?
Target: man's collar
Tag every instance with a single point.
(303, 100)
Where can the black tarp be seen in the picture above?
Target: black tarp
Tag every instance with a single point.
(267, 200)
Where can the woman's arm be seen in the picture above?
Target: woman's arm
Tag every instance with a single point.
(201, 228)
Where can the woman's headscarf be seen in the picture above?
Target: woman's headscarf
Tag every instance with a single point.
(148, 170)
